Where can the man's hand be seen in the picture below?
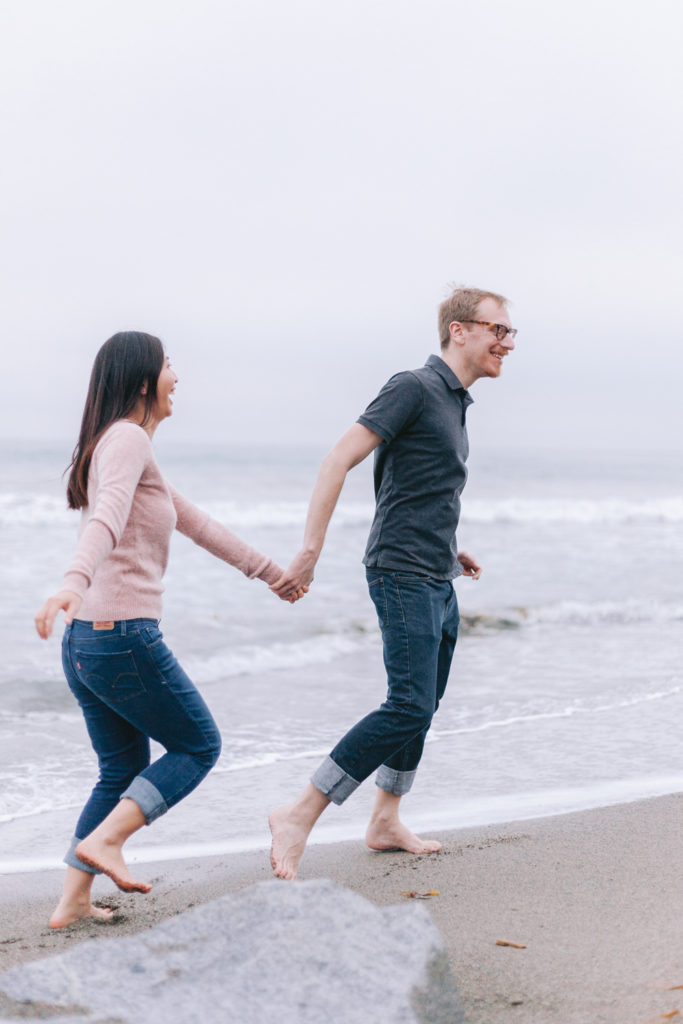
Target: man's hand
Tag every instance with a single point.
(45, 618)
(296, 578)
(470, 566)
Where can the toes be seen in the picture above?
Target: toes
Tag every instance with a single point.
(139, 886)
(102, 914)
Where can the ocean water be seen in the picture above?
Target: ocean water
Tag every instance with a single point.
(567, 684)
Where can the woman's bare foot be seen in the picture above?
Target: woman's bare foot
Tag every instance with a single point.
(69, 911)
(394, 835)
(107, 857)
(102, 849)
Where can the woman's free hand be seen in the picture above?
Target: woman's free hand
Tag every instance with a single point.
(45, 618)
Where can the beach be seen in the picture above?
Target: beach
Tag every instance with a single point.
(595, 897)
(552, 772)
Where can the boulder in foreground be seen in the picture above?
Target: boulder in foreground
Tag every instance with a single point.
(295, 953)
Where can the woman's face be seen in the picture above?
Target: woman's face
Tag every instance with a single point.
(165, 388)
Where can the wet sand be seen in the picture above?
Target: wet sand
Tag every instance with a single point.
(596, 899)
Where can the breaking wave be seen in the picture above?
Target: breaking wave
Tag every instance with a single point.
(23, 509)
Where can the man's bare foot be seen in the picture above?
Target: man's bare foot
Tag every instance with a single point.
(393, 835)
(289, 842)
(108, 858)
(68, 911)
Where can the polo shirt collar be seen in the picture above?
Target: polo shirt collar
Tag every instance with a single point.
(445, 372)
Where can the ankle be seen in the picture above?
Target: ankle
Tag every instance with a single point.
(384, 816)
(307, 809)
(302, 817)
(104, 837)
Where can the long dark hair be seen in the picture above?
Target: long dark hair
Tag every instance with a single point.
(128, 362)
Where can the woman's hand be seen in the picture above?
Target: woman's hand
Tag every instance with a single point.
(45, 618)
(293, 595)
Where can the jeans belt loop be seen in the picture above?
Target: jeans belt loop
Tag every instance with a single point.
(123, 628)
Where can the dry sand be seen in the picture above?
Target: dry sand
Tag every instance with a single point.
(595, 897)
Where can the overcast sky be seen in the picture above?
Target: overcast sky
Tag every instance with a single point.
(284, 192)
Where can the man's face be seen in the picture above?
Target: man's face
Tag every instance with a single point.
(483, 352)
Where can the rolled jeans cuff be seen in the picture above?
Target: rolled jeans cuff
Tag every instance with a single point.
(392, 781)
(147, 797)
(72, 860)
(333, 782)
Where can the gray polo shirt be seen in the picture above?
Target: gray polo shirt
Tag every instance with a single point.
(419, 471)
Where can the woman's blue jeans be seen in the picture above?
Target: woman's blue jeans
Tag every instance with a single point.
(131, 688)
(418, 616)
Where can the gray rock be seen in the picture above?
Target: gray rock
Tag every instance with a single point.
(295, 953)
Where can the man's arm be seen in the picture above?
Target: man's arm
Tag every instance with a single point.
(352, 448)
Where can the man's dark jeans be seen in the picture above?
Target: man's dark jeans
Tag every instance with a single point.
(418, 616)
(131, 688)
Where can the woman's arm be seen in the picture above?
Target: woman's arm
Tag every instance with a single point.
(119, 460)
(221, 541)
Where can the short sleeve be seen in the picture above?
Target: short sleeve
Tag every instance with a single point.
(398, 404)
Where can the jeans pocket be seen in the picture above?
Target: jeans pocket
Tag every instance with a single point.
(151, 636)
(114, 676)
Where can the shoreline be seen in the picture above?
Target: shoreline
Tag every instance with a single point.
(595, 896)
(484, 812)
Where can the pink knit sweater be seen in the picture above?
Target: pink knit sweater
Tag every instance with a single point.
(126, 530)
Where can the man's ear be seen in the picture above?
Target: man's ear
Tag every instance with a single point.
(456, 333)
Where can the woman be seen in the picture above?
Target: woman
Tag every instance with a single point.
(127, 682)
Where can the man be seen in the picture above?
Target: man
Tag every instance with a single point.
(416, 426)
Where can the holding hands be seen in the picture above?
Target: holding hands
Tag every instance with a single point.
(293, 583)
(45, 618)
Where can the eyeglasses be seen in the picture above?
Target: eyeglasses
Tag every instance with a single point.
(501, 331)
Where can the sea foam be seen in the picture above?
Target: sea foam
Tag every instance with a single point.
(36, 509)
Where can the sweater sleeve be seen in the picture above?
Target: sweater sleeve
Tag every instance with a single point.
(118, 463)
(216, 538)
